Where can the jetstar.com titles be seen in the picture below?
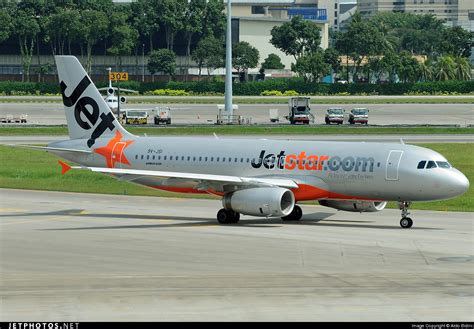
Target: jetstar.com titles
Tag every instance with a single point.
(303, 161)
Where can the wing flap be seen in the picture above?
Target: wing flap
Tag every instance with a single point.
(282, 182)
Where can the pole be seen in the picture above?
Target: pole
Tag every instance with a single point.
(118, 100)
(143, 62)
(228, 64)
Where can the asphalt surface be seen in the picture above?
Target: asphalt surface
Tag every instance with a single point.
(380, 114)
(395, 138)
(78, 257)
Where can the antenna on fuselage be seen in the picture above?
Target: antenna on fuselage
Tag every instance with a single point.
(401, 141)
(215, 136)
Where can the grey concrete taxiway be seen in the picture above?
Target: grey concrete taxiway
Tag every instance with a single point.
(86, 257)
(380, 114)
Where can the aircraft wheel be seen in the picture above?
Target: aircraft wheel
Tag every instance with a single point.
(406, 222)
(225, 216)
(295, 215)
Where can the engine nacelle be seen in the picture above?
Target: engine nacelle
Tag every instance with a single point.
(110, 91)
(123, 99)
(354, 206)
(262, 201)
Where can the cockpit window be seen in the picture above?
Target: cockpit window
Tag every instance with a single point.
(421, 164)
(443, 164)
(431, 164)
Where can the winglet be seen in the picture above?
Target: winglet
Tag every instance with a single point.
(64, 167)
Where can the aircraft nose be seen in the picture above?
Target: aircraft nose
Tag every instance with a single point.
(460, 183)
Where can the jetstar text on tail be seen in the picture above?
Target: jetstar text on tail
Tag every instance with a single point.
(305, 161)
(82, 105)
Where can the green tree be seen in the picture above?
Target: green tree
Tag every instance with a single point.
(171, 16)
(272, 62)
(94, 27)
(445, 68)
(426, 71)
(297, 37)
(244, 56)
(209, 52)
(312, 67)
(162, 60)
(331, 56)
(457, 42)
(145, 19)
(463, 68)
(26, 28)
(124, 36)
(391, 63)
(6, 25)
(59, 28)
(409, 68)
(214, 20)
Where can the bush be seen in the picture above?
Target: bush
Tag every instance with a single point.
(292, 87)
(271, 93)
(168, 92)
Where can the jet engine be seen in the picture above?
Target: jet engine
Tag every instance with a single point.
(261, 201)
(123, 99)
(110, 91)
(354, 206)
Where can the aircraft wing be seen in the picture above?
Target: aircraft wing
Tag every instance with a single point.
(205, 178)
(121, 89)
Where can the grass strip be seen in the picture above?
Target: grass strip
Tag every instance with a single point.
(39, 170)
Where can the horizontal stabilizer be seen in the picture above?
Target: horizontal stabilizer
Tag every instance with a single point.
(47, 148)
(64, 167)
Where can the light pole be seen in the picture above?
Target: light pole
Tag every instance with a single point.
(228, 64)
(143, 62)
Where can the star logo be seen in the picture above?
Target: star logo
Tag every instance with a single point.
(113, 151)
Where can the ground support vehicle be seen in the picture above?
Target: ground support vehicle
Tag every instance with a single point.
(359, 115)
(334, 115)
(163, 115)
(136, 117)
(299, 111)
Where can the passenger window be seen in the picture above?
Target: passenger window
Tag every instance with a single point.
(200, 158)
(164, 157)
(159, 157)
(142, 157)
(235, 160)
(212, 159)
(431, 164)
(217, 159)
(241, 159)
(230, 159)
(182, 158)
(189, 158)
(194, 158)
(153, 157)
(247, 158)
(205, 159)
(148, 157)
(421, 165)
(223, 159)
(136, 157)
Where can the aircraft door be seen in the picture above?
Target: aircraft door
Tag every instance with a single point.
(117, 154)
(393, 162)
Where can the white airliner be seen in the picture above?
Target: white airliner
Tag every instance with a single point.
(112, 100)
(255, 177)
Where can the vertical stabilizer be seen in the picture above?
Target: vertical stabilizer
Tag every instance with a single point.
(88, 115)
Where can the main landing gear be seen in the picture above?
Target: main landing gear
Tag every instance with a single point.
(295, 214)
(405, 222)
(225, 216)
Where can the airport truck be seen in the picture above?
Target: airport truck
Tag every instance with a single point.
(299, 111)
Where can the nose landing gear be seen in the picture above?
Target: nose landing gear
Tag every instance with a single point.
(405, 222)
